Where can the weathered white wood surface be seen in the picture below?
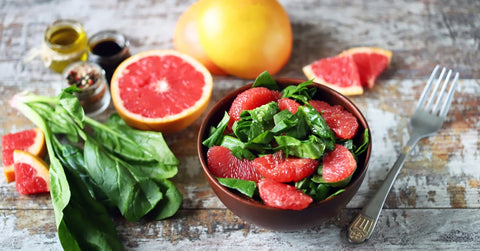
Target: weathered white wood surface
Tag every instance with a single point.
(435, 202)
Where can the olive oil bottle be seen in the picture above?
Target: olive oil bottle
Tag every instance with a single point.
(65, 42)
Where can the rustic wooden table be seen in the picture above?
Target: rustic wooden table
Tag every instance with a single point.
(433, 204)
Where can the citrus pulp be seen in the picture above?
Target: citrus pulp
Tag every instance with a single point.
(32, 141)
(222, 163)
(31, 173)
(370, 61)
(338, 166)
(161, 90)
(338, 72)
(281, 195)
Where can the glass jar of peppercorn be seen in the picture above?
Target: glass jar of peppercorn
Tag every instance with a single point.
(89, 77)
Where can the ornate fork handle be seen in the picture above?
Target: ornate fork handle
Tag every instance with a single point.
(362, 226)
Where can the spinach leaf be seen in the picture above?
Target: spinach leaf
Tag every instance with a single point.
(339, 191)
(290, 125)
(312, 148)
(300, 92)
(57, 120)
(72, 157)
(256, 122)
(132, 144)
(133, 196)
(216, 134)
(318, 191)
(72, 106)
(239, 149)
(318, 125)
(266, 80)
(246, 187)
(86, 219)
(169, 204)
(84, 182)
(363, 147)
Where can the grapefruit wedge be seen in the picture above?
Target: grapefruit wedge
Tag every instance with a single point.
(281, 195)
(338, 166)
(161, 90)
(370, 61)
(223, 164)
(31, 173)
(32, 141)
(339, 73)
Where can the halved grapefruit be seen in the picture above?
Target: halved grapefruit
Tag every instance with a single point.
(161, 90)
(32, 141)
(185, 39)
(31, 173)
(370, 61)
(339, 73)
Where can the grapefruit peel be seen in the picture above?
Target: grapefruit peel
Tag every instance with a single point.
(186, 39)
(169, 123)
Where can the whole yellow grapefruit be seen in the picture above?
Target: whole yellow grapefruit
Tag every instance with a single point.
(185, 39)
(245, 38)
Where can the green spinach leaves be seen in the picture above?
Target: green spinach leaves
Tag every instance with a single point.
(115, 167)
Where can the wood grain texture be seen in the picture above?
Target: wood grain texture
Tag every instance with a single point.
(434, 204)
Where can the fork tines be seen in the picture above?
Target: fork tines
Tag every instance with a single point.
(442, 103)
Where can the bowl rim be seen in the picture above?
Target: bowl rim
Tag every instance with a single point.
(201, 149)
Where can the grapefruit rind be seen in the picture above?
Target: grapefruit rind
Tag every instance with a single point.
(245, 38)
(348, 91)
(167, 124)
(186, 39)
(37, 148)
(37, 163)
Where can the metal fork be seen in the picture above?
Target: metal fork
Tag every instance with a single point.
(426, 120)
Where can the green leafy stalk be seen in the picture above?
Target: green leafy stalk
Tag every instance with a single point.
(118, 167)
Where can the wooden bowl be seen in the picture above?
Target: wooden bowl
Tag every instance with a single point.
(278, 219)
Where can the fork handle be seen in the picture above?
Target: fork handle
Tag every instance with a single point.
(363, 225)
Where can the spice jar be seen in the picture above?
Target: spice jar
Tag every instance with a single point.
(89, 77)
(108, 49)
(65, 42)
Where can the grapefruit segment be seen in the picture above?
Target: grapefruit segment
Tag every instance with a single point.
(32, 141)
(31, 173)
(370, 61)
(288, 104)
(277, 167)
(186, 39)
(251, 99)
(342, 122)
(161, 90)
(339, 73)
(280, 195)
(338, 166)
(223, 164)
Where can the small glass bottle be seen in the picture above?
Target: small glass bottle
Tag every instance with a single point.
(65, 42)
(90, 78)
(108, 48)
